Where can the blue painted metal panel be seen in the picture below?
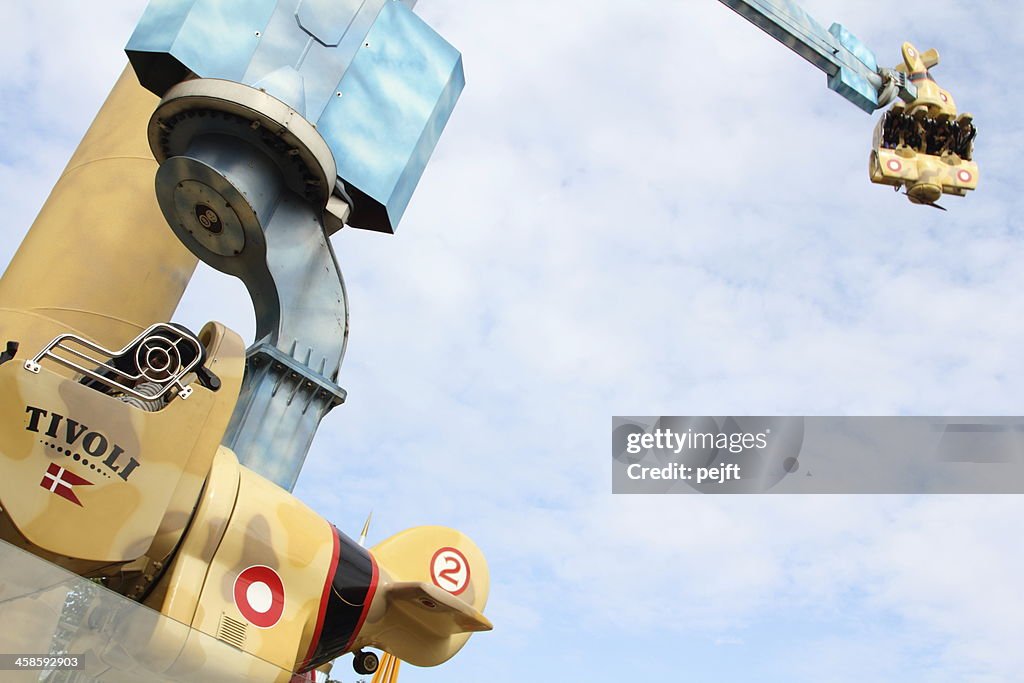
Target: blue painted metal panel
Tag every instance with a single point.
(851, 67)
(159, 26)
(855, 46)
(324, 66)
(398, 78)
(281, 45)
(213, 39)
(855, 88)
(327, 20)
(314, 64)
(395, 101)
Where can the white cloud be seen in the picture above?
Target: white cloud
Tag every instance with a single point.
(652, 210)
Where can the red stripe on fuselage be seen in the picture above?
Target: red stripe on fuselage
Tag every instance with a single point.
(333, 567)
(370, 592)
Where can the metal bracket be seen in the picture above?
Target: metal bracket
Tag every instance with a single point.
(162, 356)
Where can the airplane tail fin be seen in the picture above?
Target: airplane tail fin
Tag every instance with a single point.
(913, 60)
(431, 591)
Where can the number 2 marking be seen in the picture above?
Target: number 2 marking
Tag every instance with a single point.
(448, 574)
(449, 570)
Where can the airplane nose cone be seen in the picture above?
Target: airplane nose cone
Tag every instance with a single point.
(924, 193)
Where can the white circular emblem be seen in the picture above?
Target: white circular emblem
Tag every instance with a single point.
(964, 176)
(259, 596)
(894, 165)
(449, 569)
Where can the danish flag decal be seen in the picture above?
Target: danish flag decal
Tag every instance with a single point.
(58, 480)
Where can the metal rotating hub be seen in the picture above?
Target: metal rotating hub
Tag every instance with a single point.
(205, 106)
(229, 154)
(208, 218)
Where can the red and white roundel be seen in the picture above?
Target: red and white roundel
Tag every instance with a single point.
(964, 175)
(259, 596)
(894, 165)
(449, 569)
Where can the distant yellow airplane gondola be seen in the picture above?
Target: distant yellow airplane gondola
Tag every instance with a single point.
(924, 145)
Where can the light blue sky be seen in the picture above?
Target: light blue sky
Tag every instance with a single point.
(640, 209)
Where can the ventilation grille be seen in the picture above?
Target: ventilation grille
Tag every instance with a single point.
(232, 631)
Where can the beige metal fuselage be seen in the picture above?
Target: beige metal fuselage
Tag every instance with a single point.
(146, 499)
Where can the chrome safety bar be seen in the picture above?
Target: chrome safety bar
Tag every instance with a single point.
(154, 357)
